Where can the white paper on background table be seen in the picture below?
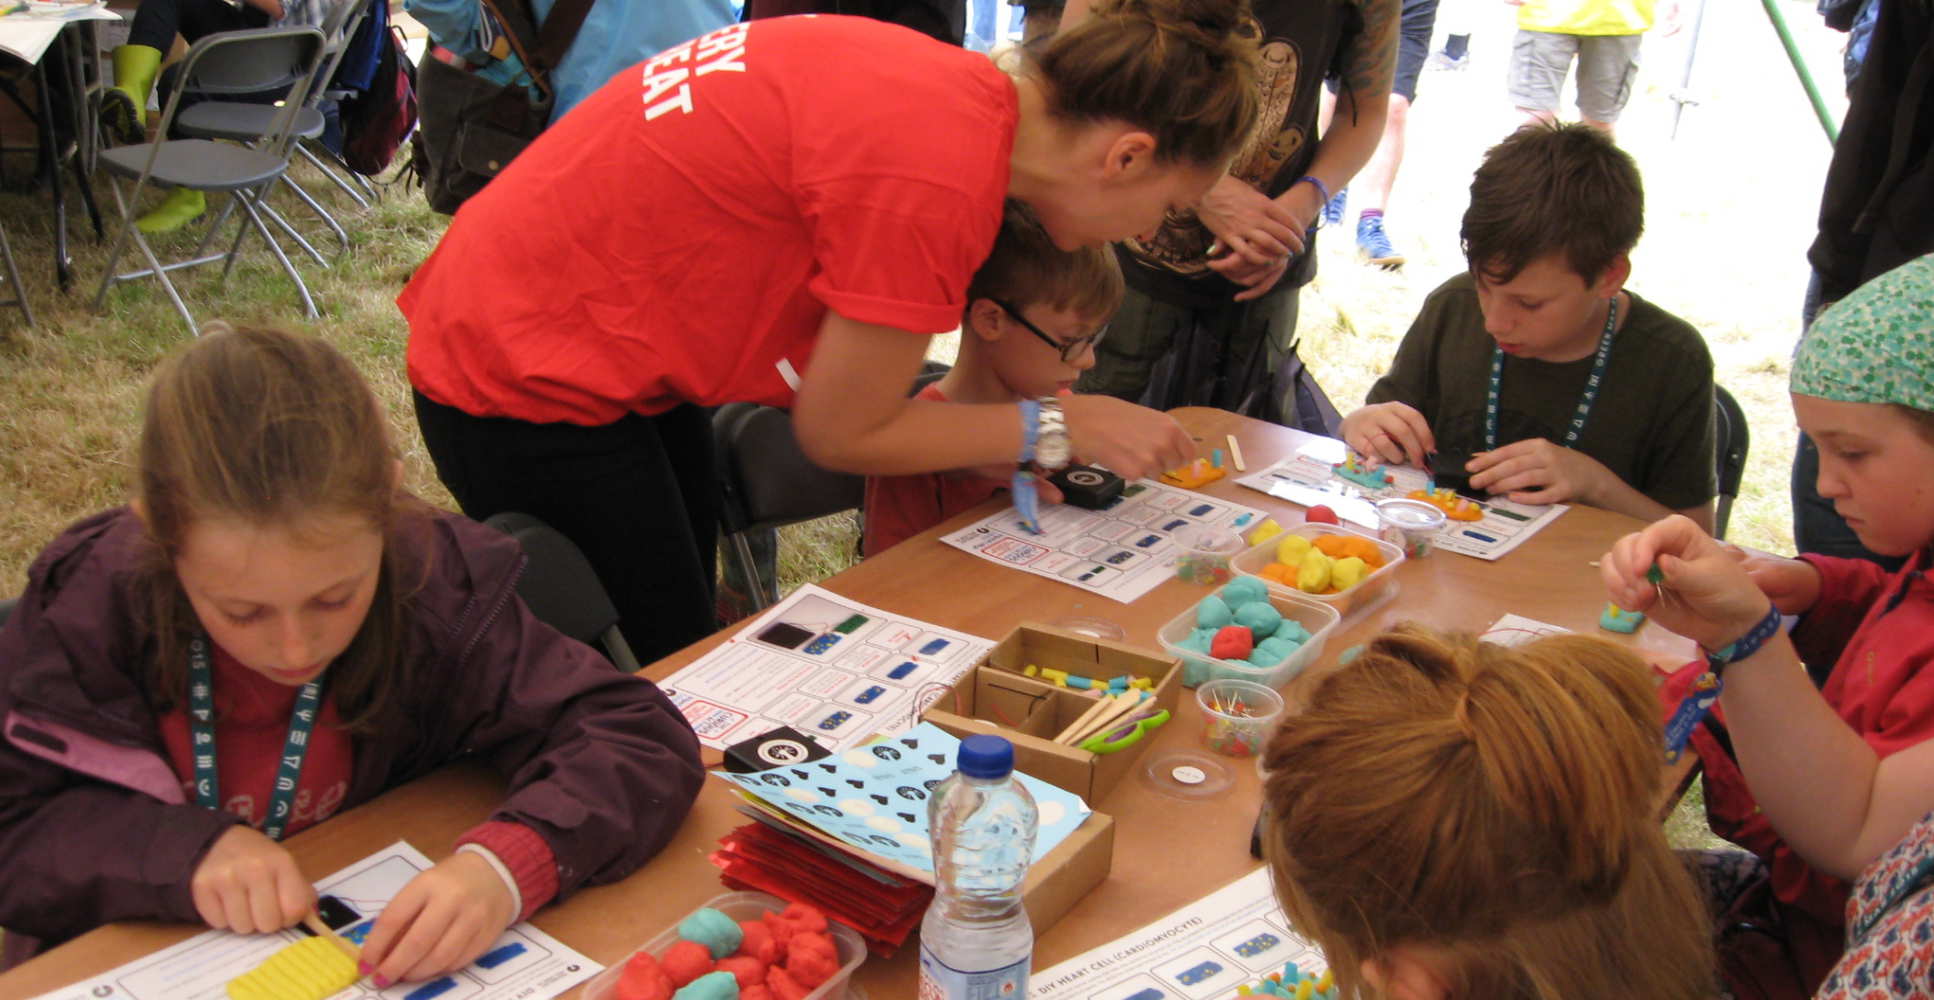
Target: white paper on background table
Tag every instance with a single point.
(1120, 553)
(523, 961)
(832, 668)
(1307, 478)
(875, 796)
(1231, 937)
(27, 33)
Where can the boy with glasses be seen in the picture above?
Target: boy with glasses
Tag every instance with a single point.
(1034, 315)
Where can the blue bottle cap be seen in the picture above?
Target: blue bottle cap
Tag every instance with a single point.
(984, 756)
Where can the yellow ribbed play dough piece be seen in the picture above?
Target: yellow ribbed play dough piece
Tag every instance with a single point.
(309, 969)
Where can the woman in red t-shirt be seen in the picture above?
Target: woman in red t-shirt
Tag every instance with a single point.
(781, 211)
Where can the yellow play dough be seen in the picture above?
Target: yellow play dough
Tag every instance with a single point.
(309, 969)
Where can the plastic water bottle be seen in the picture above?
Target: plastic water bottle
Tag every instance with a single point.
(976, 942)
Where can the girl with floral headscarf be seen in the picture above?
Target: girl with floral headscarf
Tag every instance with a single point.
(1840, 775)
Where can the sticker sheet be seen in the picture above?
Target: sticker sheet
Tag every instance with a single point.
(875, 796)
(1308, 478)
(1120, 553)
(832, 668)
(523, 962)
(1230, 938)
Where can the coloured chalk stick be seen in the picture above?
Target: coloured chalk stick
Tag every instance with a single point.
(309, 969)
(498, 956)
(431, 989)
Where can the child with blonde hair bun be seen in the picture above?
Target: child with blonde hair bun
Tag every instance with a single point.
(1452, 818)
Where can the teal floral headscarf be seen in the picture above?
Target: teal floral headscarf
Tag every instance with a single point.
(1876, 345)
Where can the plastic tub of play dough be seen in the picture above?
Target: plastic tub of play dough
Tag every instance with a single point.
(743, 906)
(1318, 618)
(1372, 590)
(1412, 524)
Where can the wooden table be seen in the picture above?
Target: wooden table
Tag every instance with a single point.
(1168, 852)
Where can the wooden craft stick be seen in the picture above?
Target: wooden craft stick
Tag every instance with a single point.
(1120, 707)
(1086, 717)
(313, 921)
(1235, 454)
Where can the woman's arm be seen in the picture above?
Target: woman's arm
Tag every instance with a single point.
(852, 414)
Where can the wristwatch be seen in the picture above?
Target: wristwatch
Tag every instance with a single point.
(1051, 447)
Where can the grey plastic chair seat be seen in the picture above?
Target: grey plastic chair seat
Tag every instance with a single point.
(238, 121)
(198, 163)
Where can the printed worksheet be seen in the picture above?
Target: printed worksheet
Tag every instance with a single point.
(1120, 553)
(524, 962)
(830, 667)
(874, 797)
(1230, 938)
(1309, 478)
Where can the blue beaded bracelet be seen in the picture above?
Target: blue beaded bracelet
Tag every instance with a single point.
(1321, 188)
(1748, 644)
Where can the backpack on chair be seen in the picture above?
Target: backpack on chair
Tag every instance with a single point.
(379, 118)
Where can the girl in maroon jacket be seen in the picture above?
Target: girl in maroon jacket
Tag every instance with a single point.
(273, 632)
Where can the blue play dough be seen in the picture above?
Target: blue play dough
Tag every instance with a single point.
(1293, 630)
(1197, 641)
(1212, 613)
(1261, 618)
(1244, 589)
(710, 986)
(719, 933)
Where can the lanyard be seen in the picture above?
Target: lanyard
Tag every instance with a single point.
(201, 716)
(1585, 400)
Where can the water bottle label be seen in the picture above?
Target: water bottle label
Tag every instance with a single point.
(939, 981)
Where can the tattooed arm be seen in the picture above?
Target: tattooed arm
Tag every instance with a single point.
(1361, 103)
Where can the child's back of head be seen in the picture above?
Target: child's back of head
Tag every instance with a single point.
(1026, 269)
(1566, 190)
(1492, 811)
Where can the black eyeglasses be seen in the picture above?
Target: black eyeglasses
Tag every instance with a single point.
(1070, 349)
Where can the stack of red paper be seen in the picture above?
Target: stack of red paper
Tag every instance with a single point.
(884, 907)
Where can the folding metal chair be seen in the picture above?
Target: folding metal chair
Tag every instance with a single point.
(245, 62)
(13, 280)
(1734, 439)
(562, 590)
(249, 122)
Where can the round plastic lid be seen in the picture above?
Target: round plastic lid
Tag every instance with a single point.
(1410, 513)
(984, 756)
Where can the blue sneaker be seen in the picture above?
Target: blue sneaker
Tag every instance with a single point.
(1373, 246)
(1334, 208)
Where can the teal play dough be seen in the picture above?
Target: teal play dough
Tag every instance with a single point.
(1197, 641)
(1244, 589)
(719, 933)
(710, 986)
(1212, 613)
(1261, 618)
(1293, 629)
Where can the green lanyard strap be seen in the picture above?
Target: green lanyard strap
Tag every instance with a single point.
(201, 716)
(1585, 400)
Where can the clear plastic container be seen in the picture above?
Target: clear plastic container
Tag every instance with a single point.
(1238, 716)
(1369, 591)
(743, 906)
(1318, 617)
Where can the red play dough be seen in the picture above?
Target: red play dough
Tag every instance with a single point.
(759, 942)
(686, 961)
(644, 979)
(812, 959)
(805, 916)
(1320, 514)
(758, 992)
(783, 986)
(1233, 642)
(744, 968)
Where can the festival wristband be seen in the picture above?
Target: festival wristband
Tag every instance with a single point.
(1027, 501)
(1030, 428)
(1707, 687)
(1316, 182)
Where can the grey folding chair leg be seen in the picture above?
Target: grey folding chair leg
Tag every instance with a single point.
(249, 205)
(129, 231)
(342, 238)
(621, 655)
(756, 590)
(334, 178)
(13, 278)
(289, 230)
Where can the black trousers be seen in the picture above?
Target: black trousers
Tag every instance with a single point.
(157, 22)
(639, 496)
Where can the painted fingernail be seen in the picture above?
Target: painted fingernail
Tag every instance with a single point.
(382, 982)
(363, 968)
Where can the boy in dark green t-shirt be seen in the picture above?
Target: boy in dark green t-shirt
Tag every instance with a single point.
(1536, 375)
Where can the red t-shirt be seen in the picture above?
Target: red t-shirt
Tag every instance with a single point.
(251, 728)
(683, 230)
(900, 507)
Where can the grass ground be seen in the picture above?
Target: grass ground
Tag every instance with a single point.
(1731, 204)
